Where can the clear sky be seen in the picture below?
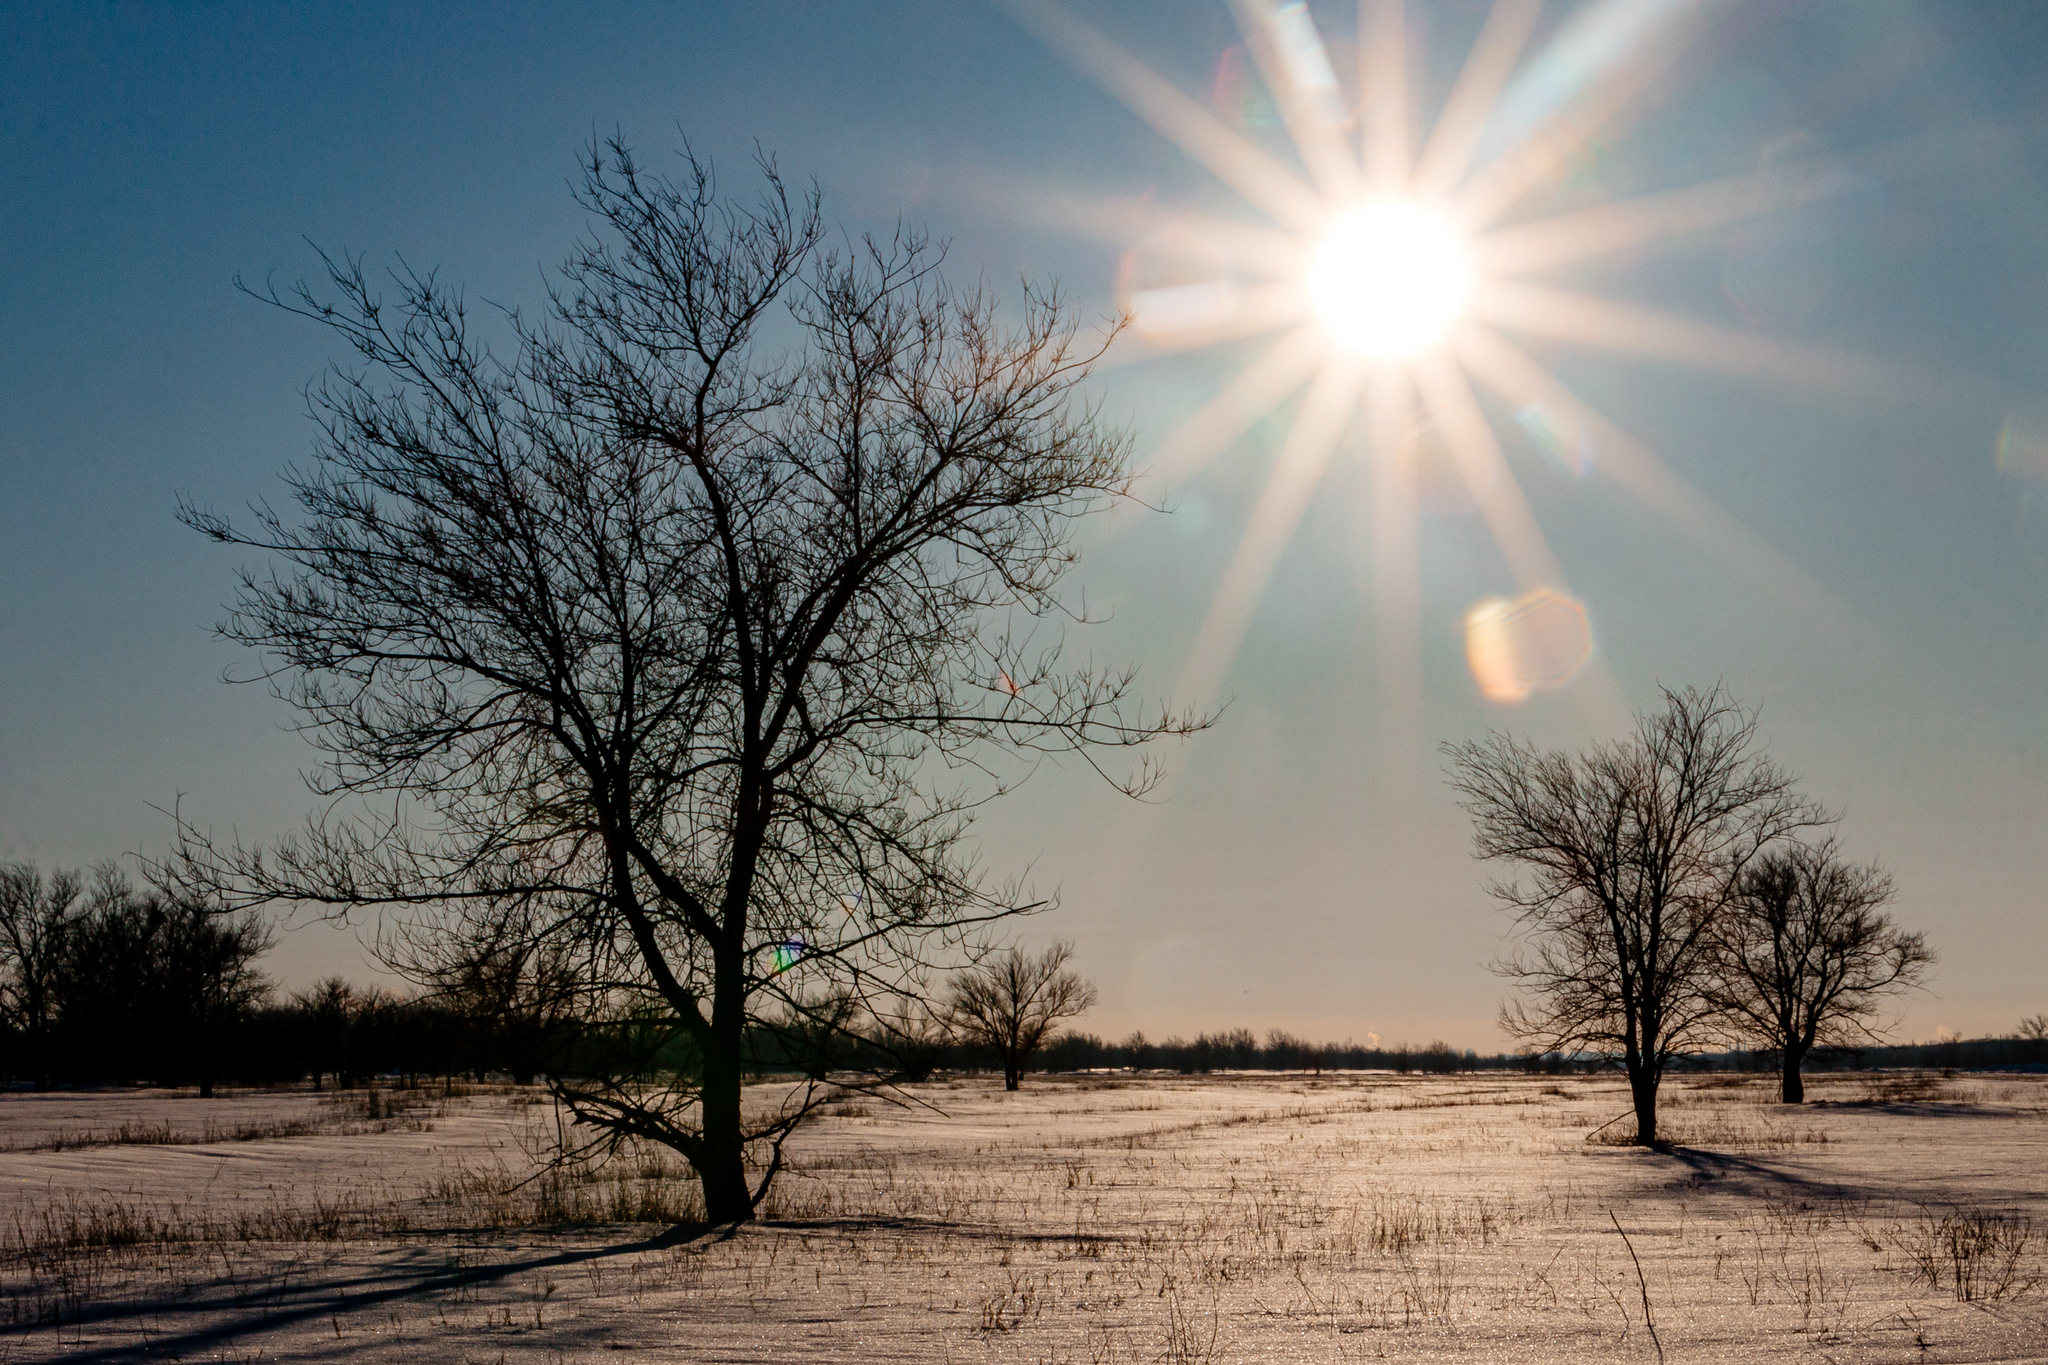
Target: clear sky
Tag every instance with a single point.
(1879, 588)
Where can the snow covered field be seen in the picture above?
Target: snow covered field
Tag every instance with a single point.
(1225, 1218)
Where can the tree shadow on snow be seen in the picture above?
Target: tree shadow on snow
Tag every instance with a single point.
(273, 1301)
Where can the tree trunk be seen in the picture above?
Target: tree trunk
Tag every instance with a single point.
(1642, 1085)
(206, 1087)
(723, 1167)
(1794, 1091)
(1012, 1072)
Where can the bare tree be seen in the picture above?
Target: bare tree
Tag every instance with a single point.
(688, 636)
(1009, 1002)
(326, 1013)
(1806, 954)
(35, 916)
(1632, 851)
(519, 991)
(203, 965)
(150, 983)
(2034, 1029)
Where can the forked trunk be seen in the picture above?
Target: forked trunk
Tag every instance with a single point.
(1794, 1091)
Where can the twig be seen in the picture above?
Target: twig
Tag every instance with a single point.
(1642, 1284)
(1609, 1124)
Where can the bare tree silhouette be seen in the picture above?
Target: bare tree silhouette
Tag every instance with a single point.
(139, 983)
(35, 917)
(688, 637)
(1009, 1002)
(1632, 851)
(1806, 954)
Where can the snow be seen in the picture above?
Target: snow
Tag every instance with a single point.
(1227, 1218)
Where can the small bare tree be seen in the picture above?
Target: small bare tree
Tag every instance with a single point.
(35, 916)
(684, 631)
(1009, 1002)
(204, 967)
(2034, 1029)
(1633, 850)
(1806, 954)
(151, 985)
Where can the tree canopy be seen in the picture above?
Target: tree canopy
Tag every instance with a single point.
(683, 636)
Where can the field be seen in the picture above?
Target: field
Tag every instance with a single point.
(1084, 1219)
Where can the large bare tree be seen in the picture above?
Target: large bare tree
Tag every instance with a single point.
(686, 631)
(1009, 1002)
(1806, 954)
(1627, 855)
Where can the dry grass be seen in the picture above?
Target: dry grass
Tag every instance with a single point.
(1979, 1255)
(346, 1113)
(1171, 1219)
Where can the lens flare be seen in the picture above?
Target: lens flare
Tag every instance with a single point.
(1538, 641)
(1397, 262)
(1389, 278)
(1237, 93)
(787, 955)
(1569, 446)
(2023, 445)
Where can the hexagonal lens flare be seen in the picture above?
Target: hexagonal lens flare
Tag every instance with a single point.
(1538, 641)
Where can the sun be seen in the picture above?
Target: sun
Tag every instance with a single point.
(1396, 267)
(1389, 279)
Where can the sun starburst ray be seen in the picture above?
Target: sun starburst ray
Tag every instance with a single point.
(1602, 324)
(1266, 251)
(1607, 228)
(1448, 153)
(1196, 316)
(1299, 468)
(1495, 490)
(1290, 55)
(1261, 386)
(1203, 136)
(1631, 466)
(1193, 240)
(1534, 157)
(1383, 94)
(1597, 39)
(1396, 576)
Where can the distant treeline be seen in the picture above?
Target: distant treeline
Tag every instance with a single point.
(337, 1034)
(1240, 1050)
(1960, 1054)
(103, 983)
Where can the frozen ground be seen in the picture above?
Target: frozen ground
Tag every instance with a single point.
(1253, 1218)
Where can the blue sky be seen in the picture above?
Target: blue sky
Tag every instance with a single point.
(1301, 875)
